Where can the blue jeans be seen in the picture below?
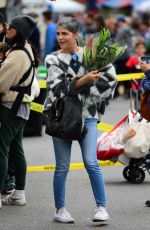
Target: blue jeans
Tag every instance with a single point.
(88, 146)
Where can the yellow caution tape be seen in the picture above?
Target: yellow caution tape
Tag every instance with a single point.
(102, 126)
(72, 166)
(120, 77)
(36, 107)
(105, 127)
(39, 108)
(130, 76)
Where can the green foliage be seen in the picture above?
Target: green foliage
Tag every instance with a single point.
(100, 50)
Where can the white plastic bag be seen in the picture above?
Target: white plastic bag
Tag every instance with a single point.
(138, 146)
(35, 90)
(110, 145)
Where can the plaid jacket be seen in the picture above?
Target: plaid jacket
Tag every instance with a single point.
(92, 95)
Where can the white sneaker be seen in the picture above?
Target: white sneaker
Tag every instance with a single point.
(101, 214)
(10, 200)
(63, 216)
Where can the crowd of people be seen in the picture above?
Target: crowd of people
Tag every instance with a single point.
(133, 31)
(64, 65)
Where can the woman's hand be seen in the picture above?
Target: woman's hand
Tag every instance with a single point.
(91, 77)
(144, 66)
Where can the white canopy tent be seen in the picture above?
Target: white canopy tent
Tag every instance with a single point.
(143, 7)
(32, 1)
(60, 6)
(67, 6)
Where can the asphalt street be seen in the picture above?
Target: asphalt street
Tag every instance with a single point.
(125, 200)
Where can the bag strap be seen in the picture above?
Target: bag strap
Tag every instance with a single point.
(23, 89)
(26, 75)
(64, 68)
(119, 123)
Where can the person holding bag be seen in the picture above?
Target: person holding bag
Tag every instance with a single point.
(66, 67)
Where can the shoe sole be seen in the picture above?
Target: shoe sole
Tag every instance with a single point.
(100, 220)
(63, 221)
(13, 203)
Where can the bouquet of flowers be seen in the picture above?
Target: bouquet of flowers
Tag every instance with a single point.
(100, 50)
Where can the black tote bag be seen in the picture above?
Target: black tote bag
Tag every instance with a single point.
(64, 118)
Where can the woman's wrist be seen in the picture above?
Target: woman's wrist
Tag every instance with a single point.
(82, 81)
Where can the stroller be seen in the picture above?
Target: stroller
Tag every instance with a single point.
(135, 168)
(135, 171)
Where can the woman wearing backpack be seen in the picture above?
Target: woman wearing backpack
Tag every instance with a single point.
(16, 77)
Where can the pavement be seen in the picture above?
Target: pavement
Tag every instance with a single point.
(125, 201)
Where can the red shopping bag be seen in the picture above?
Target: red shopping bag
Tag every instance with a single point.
(109, 144)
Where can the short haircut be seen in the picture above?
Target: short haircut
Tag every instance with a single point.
(137, 44)
(47, 14)
(69, 23)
